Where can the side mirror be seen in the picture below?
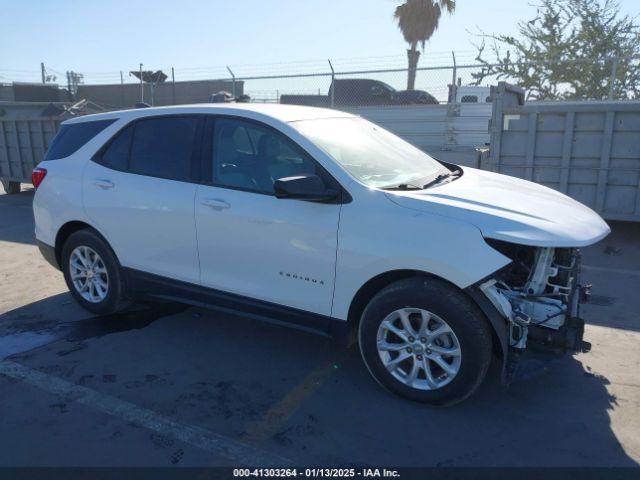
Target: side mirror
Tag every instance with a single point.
(304, 187)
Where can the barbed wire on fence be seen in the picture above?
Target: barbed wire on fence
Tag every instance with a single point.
(435, 75)
(251, 69)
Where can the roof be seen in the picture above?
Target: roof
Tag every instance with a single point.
(284, 113)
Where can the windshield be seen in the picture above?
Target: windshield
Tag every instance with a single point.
(373, 155)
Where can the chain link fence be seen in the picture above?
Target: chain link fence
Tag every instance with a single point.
(439, 78)
(600, 79)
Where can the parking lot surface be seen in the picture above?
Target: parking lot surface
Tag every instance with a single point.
(172, 385)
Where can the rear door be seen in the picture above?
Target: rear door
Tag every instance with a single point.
(139, 191)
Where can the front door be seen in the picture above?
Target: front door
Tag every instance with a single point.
(253, 244)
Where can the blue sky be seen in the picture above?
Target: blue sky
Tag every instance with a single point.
(102, 37)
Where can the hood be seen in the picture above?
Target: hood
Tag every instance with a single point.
(510, 209)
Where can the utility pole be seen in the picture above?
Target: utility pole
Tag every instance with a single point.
(332, 88)
(453, 91)
(42, 72)
(233, 82)
(73, 80)
(173, 85)
(141, 86)
(121, 88)
(69, 85)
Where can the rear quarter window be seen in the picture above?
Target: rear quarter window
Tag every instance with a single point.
(72, 137)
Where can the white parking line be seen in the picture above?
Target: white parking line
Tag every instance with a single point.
(239, 453)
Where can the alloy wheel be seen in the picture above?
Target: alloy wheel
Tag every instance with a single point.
(419, 348)
(89, 274)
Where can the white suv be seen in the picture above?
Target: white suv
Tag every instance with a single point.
(321, 220)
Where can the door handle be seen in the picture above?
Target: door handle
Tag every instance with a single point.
(215, 203)
(103, 183)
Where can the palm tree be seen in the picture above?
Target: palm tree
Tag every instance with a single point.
(418, 19)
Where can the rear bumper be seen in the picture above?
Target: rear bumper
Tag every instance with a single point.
(49, 253)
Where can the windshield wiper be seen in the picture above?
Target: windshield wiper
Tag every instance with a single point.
(404, 186)
(414, 186)
(441, 177)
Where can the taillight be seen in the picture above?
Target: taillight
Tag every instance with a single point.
(37, 176)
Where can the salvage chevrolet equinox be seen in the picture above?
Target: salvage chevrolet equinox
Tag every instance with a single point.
(322, 220)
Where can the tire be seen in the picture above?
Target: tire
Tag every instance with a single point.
(11, 188)
(445, 307)
(107, 271)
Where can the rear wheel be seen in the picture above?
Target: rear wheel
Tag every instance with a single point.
(11, 188)
(425, 340)
(92, 273)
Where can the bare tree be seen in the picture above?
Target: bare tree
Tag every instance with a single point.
(571, 49)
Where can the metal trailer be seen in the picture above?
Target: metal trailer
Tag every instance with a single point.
(589, 150)
(25, 136)
(449, 132)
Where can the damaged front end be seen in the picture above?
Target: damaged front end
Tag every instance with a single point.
(538, 294)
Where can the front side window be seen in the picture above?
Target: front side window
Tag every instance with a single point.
(369, 153)
(251, 157)
(71, 138)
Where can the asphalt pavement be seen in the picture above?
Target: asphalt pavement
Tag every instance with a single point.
(173, 385)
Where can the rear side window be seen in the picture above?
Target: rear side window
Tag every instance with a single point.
(162, 147)
(156, 147)
(72, 137)
(117, 153)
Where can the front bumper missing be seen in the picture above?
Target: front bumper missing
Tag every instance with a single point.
(527, 343)
(569, 338)
(545, 346)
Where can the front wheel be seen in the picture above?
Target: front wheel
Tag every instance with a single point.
(425, 340)
(92, 273)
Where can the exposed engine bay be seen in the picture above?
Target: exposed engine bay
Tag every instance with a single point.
(539, 294)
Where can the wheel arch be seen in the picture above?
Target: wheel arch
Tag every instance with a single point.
(369, 290)
(67, 229)
(374, 285)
